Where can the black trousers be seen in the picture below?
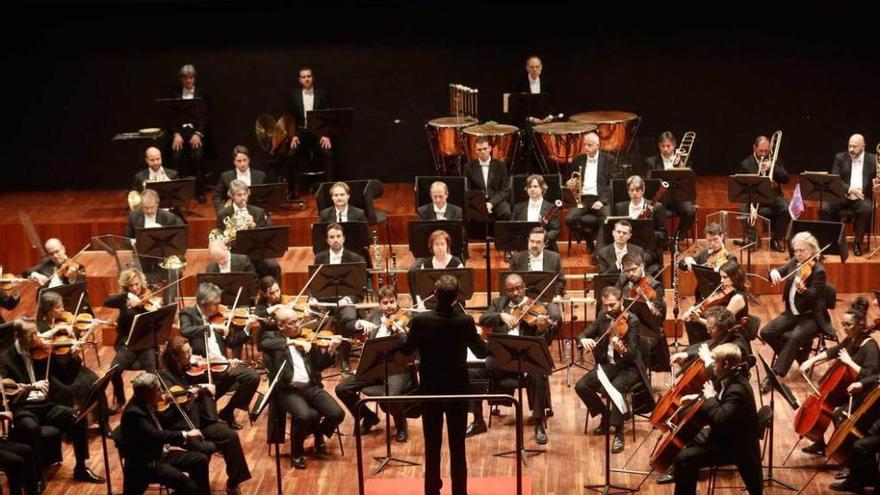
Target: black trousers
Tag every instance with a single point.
(19, 462)
(701, 453)
(345, 317)
(580, 220)
(188, 161)
(862, 462)
(30, 417)
(432, 424)
(348, 389)
(308, 156)
(247, 381)
(219, 437)
(588, 388)
(126, 359)
(777, 212)
(313, 411)
(861, 209)
(788, 334)
(169, 471)
(686, 212)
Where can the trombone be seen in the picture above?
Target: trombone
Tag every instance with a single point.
(775, 143)
(683, 153)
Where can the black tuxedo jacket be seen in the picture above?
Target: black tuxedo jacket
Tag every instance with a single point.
(426, 212)
(238, 263)
(607, 169)
(143, 440)
(733, 418)
(221, 192)
(193, 327)
(498, 189)
(144, 175)
(750, 166)
(295, 104)
(606, 257)
(163, 218)
(259, 215)
(492, 317)
(632, 357)
(843, 167)
(354, 214)
(202, 411)
(552, 263)
(816, 298)
(656, 163)
(196, 112)
(521, 213)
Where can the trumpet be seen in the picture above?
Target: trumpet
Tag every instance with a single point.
(576, 188)
(683, 152)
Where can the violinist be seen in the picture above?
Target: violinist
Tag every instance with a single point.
(806, 314)
(36, 408)
(637, 204)
(536, 208)
(205, 318)
(609, 258)
(56, 268)
(732, 436)
(668, 159)
(131, 301)
(508, 314)
(732, 294)
(635, 284)
(269, 298)
(614, 341)
(202, 412)
(538, 259)
(712, 256)
(390, 320)
(720, 324)
(299, 391)
(859, 352)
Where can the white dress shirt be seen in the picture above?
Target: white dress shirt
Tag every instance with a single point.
(188, 94)
(668, 163)
(300, 374)
(534, 212)
(619, 254)
(792, 293)
(341, 215)
(158, 175)
(636, 209)
(484, 167)
(336, 258)
(213, 347)
(855, 180)
(150, 221)
(536, 263)
(440, 214)
(308, 104)
(590, 186)
(243, 176)
(535, 85)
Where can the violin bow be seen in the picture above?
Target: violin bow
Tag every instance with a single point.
(304, 287)
(231, 313)
(75, 256)
(615, 320)
(172, 284)
(171, 398)
(208, 359)
(811, 258)
(536, 299)
(642, 294)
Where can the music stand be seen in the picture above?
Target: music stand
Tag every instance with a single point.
(176, 193)
(96, 398)
(357, 236)
(330, 121)
(262, 242)
(424, 280)
(379, 360)
(478, 213)
(269, 197)
(513, 235)
(520, 354)
(707, 280)
(148, 329)
(833, 233)
(70, 294)
(338, 281)
(535, 282)
(162, 242)
(420, 230)
(776, 386)
(682, 183)
(606, 487)
(229, 283)
(822, 186)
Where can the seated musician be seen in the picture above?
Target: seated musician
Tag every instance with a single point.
(202, 413)
(56, 268)
(861, 466)
(500, 317)
(538, 259)
(733, 295)
(536, 207)
(596, 169)
(489, 175)
(224, 261)
(777, 211)
(130, 303)
(439, 208)
(299, 391)
(667, 159)
(439, 244)
(9, 299)
(150, 215)
(722, 328)
(632, 283)
(732, 437)
(609, 258)
(37, 407)
(154, 172)
(806, 313)
(241, 159)
(620, 359)
(200, 323)
(380, 324)
(857, 169)
(341, 211)
(712, 256)
(144, 444)
(637, 204)
(269, 298)
(19, 463)
(245, 216)
(859, 352)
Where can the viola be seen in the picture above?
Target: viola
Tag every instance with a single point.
(58, 345)
(621, 327)
(10, 388)
(719, 298)
(177, 395)
(814, 415)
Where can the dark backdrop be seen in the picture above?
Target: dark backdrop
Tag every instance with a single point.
(77, 74)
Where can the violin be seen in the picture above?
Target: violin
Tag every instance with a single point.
(10, 388)
(642, 288)
(718, 298)
(199, 365)
(620, 329)
(804, 273)
(148, 300)
(399, 321)
(8, 281)
(240, 317)
(531, 315)
(58, 345)
(178, 395)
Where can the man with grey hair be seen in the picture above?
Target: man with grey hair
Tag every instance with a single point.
(150, 215)
(439, 208)
(199, 324)
(596, 169)
(858, 171)
(187, 119)
(143, 447)
(239, 192)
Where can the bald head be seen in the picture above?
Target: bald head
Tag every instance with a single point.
(856, 146)
(153, 157)
(55, 250)
(219, 252)
(534, 66)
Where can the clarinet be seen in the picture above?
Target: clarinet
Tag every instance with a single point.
(377, 255)
(394, 270)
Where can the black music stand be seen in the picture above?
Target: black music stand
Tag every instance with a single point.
(606, 487)
(707, 280)
(682, 183)
(148, 329)
(70, 294)
(643, 233)
(162, 242)
(520, 354)
(535, 282)
(420, 230)
(357, 236)
(424, 280)
(750, 189)
(477, 212)
(229, 283)
(821, 187)
(96, 398)
(776, 386)
(269, 197)
(833, 233)
(620, 191)
(513, 235)
(262, 242)
(338, 281)
(176, 193)
(379, 360)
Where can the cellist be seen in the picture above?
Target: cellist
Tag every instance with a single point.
(719, 322)
(858, 351)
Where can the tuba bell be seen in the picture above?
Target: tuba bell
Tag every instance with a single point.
(272, 133)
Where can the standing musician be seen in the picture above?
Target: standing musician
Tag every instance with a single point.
(439, 243)
(345, 313)
(667, 159)
(36, 408)
(149, 215)
(637, 204)
(202, 413)
(733, 295)
(144, 446)
(390, 320)
(154, 172)
(341, 211)
(503, 316)
(490, 176)
(538, 259)
(536, 208)
(132, 301)
(205, 318)
(859, 352)
(299, 390)
(777, 211)
(56, 268)
(442, 337)
(609, 258)
(532, 82)
(439, 208)
(635, 284)
(806, 314)
(188, 124)
(858, 171)
(596, 169)
(241, 159)
(255, 217)
(732, 437)
(617, 353)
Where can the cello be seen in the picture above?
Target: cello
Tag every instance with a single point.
(814, 415)
(853, 428)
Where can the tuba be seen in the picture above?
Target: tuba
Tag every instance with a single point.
(576, 188)
(240, 220)
(683, 153)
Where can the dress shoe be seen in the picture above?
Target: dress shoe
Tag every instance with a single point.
(666, 479)
(476, 428)
(368, 423)
(345, 368)
(540, 435)
(233, 490)
(401, 437)
(847, 486)
(817, 448)
(86, 474)
(617, 445)
(600, 430)
(299, 462)
(229, 419)
(766, 385)
(777, 245)
(842, 474)
(320, 451)
(857, 249)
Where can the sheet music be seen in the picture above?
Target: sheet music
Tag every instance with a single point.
(472, 358)
(615, 396)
